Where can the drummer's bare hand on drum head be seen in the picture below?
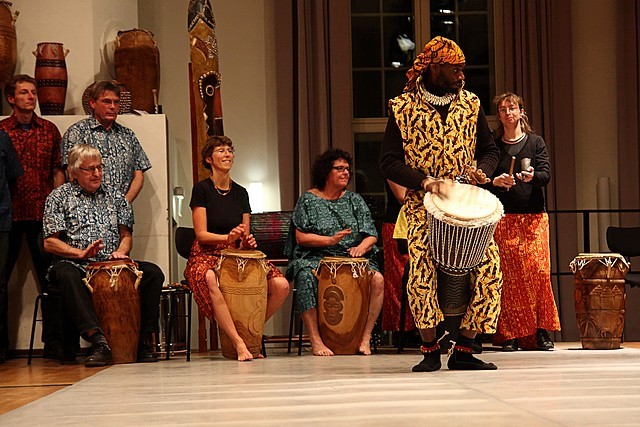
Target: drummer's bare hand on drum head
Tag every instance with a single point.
(475, 175)
(505, 181)
(437, 186)
(248, 242)
(357, 251)
(118, 255)
(236, 234)
(92, 250)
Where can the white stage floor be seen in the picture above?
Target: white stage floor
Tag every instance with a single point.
(567, 386)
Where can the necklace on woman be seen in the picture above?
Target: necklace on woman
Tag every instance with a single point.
(222, 192)
(514, 140)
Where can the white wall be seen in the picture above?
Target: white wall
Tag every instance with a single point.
(595, 101)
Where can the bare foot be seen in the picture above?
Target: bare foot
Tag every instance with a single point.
(244, 355)
(319, 349)
(365, 346)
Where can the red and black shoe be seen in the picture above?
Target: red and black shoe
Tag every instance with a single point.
(462, 359)
(431, 359)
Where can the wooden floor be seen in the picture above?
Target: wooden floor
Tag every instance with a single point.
(21, 384)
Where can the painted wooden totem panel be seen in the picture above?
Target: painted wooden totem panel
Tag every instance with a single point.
(206, 101)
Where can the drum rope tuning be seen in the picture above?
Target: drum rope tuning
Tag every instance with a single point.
(113, 277)
(579, 263)
(461, 226)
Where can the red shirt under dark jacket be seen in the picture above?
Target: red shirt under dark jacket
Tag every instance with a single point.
(38, 149)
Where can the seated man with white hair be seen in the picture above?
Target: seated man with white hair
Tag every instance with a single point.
(85, 221)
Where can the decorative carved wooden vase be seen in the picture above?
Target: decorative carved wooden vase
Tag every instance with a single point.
(8, 44)
(51, 76)
(137, 66)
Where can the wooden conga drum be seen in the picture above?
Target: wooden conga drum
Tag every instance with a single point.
(51, 77)
(343, 302)
(242, 275)
(137, 66)
(600, 299)
(8, 43)
(116, 299)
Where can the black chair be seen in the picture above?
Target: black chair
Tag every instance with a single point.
(54, 300)
(295, 314)
(271, 231)
(287, 230)
(626, 242)
(42, 296)
(184, 238)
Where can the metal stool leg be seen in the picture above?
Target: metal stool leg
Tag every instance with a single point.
(291, 319)
(33, 327)
(300, 327)
(170, 322)
(188, 296)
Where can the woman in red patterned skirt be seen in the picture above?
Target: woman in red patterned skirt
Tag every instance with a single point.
(528, 309)
(221, 220)
(394, 263)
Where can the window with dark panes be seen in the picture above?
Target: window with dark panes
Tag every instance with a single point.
(467, 22)
(383, 48)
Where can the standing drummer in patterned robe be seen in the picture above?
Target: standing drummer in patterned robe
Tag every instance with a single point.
(436, 130)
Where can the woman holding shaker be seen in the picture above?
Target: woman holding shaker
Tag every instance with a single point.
(528, 309)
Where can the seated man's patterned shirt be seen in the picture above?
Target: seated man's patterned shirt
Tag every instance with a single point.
(82, 218)
(121, 151)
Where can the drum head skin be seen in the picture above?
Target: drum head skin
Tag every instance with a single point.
(466, 202)
(243, 253)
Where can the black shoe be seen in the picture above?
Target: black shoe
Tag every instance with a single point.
(543, 340)
(462, 359)
(99, 356)
(146, 354)
(477, 345)
(431, 360)
(510, 345)
(3, 355)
